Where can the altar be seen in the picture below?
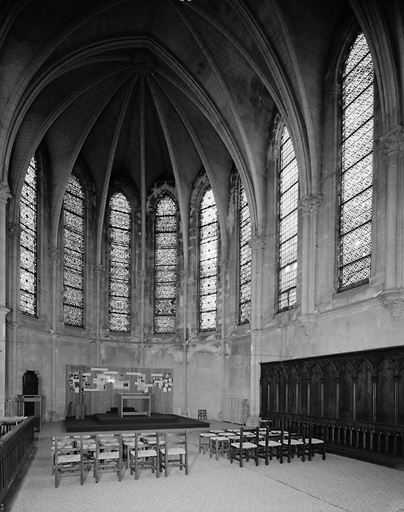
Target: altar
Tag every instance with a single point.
(127, 397)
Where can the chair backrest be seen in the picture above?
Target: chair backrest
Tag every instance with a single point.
(176, 438)
(140, 439)
(108, 442)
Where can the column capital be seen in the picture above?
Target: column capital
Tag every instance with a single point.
(392, 141)
(257, 243)
(310, 203)
(4, 192)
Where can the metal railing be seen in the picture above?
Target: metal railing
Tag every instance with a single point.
(15, 448)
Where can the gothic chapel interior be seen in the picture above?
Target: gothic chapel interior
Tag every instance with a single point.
(210, 187)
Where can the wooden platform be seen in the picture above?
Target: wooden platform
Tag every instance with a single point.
(113, 422)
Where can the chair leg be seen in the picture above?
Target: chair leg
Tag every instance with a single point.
(81, 472)
(136, 467)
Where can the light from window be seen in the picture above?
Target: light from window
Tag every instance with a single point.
(165, 277)
(28, 241)
(208, 245)
(288, 190)
(73, 253)
(119, 263)
(356, 184)
(244, 310)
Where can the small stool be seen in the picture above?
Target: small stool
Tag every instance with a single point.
(202, 415)
(202, 441)
(218, 445)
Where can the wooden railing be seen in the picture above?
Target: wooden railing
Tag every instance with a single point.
(371, 441)
(15, 448)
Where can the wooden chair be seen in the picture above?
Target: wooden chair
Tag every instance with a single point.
(67, 458)
(175, 451)
(297, 443)
(108, 455)
(244, 447)
(317, 440)
(60, 442)
(269, 444)
(144, 456)
(128, 444)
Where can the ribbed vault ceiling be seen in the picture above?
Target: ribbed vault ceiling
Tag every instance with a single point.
(138, 89)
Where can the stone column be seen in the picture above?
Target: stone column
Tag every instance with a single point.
(257, 252)
(142, 282)
(4, 196)
(309, 205)
(392, 144)
(223, 343)
(13, 323)
(54, 258)
(99, 269)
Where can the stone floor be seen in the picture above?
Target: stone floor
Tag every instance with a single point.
(336, 484)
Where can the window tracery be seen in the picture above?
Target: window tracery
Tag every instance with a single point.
(73, 253)
(28, 240)
(244, 309)
(208, 254)
(356, 180)
(288, 191)
(119, 278)
(165, 267)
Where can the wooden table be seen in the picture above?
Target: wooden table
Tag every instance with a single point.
(125, 397)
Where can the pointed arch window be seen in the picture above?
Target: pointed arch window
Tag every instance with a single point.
(73, 253)
(165, 271)
(208, 254)
(288, 192)
(119, 285)
(356, 179)
(28, 241)
(244, 307)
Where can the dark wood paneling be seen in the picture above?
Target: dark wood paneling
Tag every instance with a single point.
(359, 391)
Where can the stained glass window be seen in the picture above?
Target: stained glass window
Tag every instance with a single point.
(119, 263)
(165, 277)
(28, 241)
(288, 190)
(244, 312)
(208, 247)
(356, 182)
(73, 253)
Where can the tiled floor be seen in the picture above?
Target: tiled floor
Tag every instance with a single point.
(332, 485)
